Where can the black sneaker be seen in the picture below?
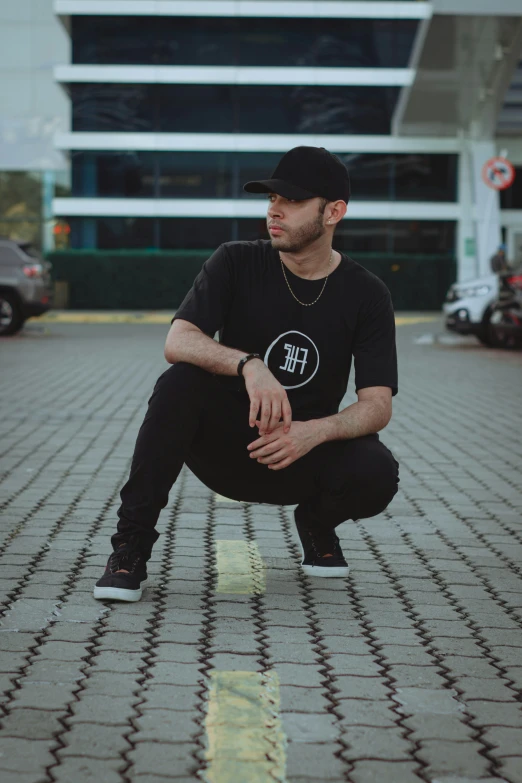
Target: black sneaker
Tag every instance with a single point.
(123, 587)
(315, 546)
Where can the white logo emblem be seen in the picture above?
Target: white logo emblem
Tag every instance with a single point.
(292, 358)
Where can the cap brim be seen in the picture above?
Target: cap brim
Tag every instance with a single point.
(279, 186)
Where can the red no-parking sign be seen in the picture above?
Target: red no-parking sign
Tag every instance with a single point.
(498, 173)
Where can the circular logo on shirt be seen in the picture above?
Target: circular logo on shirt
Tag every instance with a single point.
(293, 359)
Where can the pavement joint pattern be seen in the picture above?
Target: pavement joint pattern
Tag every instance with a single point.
(408, 670)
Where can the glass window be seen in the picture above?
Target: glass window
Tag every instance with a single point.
(116, 233)
(354, 237)
(197, 174)
(194, 233)
(223, 174)
(425, 177)
(363, 236)
(200, 108)
(154, 40)
(113, 107)
(398, 177)
(250, 229)
(511, 198)
(423, 236)
(370, 176)
(112, 174)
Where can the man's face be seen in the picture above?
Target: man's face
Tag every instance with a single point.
(294, 225)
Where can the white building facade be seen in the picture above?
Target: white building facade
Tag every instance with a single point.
(33, 109)
(175, 105)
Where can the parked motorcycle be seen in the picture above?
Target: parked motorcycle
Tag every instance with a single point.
(506, 318)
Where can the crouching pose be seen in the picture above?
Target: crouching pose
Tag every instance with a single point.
(255, 415)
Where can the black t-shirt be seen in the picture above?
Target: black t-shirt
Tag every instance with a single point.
(242, 294)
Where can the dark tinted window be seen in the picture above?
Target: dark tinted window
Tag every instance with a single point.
(194, 233)
(402, 237)
(167, 40)
(425, 177)
(423, 236)
(400, 177)
(223, 174)
(115, 233)
(129, 174)
(197, 108)
(511, 198)
(395, 236)
(197, 174)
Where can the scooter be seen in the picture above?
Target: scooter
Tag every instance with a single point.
(506, 318)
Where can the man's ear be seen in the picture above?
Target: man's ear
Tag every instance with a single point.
(336, 212)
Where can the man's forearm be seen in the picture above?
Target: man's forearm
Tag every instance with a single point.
(362, 418)
(200, 349)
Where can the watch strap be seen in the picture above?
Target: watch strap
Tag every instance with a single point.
(244, 360)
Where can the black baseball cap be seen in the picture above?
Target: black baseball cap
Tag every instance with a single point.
(306, 172)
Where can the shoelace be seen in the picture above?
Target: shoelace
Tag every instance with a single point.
(324, 544)
(126, 557)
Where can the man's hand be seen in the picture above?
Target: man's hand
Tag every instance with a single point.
(279, 449)
(267, 397)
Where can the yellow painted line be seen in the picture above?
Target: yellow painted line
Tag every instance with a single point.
(223, 499)
(402, 320)
(120, 317)
(245, 738)
(240, 568)
(69, 317)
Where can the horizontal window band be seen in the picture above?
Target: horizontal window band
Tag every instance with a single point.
(239, 208)
(206, 175)
(216, 42)
(240, 75)
(232, 108)
(247, 142)
(383, 9)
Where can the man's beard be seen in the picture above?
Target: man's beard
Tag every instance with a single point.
(300, 238)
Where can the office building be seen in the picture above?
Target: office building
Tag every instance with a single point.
(174, 105)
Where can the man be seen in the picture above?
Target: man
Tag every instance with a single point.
(498, 261)
(290, 313)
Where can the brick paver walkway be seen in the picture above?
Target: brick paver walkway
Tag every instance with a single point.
(410, 670)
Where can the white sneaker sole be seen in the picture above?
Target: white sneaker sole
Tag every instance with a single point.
(324, 572)
(118, 593)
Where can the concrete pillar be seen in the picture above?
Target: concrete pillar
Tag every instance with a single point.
(487, 207)
(467, 263)
(48, 185)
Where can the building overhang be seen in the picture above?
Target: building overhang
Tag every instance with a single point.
(463, 61)
(303, 9)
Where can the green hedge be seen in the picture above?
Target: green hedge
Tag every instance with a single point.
(158, 280)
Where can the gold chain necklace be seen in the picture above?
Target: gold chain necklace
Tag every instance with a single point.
(306, 304)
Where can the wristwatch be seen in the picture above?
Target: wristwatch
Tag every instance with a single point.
(244, 360)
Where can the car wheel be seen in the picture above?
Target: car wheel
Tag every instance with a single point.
(486, 333)
(11, 319)
(503, 338)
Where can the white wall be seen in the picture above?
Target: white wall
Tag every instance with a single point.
(32, 106)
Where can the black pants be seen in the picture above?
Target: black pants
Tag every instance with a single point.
(193, 418)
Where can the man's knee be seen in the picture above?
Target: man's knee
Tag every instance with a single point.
(377, 475)
(181, 377)
(183, 373)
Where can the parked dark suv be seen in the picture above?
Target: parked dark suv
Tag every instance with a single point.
(25, 285)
